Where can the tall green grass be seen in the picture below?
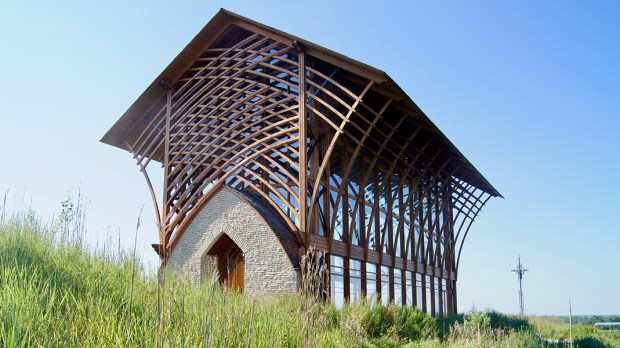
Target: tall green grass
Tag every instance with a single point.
(55, 292)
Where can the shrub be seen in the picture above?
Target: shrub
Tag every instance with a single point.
(477, 321)
(332, 316)
(395, 325)
(378, 320)
(508, 322)
(415, 325)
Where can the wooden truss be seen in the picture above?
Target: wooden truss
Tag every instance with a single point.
(334, 147)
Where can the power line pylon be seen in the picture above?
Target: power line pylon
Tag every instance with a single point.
(519, 271)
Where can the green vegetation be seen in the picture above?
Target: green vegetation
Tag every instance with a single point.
(555, 328)
(54, 292)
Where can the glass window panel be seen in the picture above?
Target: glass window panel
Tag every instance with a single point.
(424, 204)
(423, 250)
(369, 198)
(322, 222)
(418, 250)
(444, 296)
(398, 287)
(409, 288)
(396, 236)
(405, 193)
(372, 241)
(371, 282)
(338, 227)
(383, 231)
(353, 225)
(385, 285)
(337, 281)
(407, 247)
(337, 263)
(419, 291)
(355, 276)
(395, 195)
(382, 199)
(416, 204)
(429, 294)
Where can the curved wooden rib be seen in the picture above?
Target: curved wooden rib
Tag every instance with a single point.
(332, 145)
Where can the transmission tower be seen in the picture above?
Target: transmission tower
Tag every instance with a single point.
(519, 271)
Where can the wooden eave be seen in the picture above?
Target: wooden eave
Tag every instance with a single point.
(135, 119)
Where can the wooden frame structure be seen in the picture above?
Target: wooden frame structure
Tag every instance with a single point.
(333, 146)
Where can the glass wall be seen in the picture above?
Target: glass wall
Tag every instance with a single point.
(428, 293)
(398, 218)
(419, 292)
(337, 280)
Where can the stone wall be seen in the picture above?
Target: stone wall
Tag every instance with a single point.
(268, 269)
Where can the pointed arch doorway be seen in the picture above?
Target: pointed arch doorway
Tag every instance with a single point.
(230, 262)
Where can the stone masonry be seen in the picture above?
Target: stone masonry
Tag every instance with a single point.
(268, 268)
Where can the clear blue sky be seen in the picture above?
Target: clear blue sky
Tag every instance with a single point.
(527, 90)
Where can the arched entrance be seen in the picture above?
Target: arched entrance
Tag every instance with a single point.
(230, 263)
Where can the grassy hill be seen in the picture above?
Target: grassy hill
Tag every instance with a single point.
(55, 292)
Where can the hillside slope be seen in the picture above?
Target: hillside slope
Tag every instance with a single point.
(54, 292)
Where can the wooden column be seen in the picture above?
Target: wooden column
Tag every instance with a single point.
(303, 151)
(164, 227)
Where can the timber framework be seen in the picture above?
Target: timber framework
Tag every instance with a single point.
(270, 142)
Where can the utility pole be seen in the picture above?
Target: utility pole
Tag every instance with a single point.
(519, 271)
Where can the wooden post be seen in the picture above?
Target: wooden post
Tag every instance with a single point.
(303, 151)
(165, 207)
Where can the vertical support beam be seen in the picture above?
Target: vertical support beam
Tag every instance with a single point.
(329, 207)
(414, 284)
(343, 191)
(164, 238)
(403, 282)
(454, 302)
(377, 237)
(303, 152)
(433, 297)
(440, 297)
(362, 241)
(450, 262)
(401, 224)
(391, 285)
(388, 228)
(313, 164)
(413, 235)
(361, 202)
(328, 267)
(364, 279)
(424, 297)
(346, 263)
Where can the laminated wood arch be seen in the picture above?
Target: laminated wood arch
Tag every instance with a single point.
(334, 147)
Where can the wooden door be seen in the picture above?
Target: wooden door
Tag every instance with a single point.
(236, 270)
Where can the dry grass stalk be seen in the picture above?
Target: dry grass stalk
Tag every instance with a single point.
(314, 274)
